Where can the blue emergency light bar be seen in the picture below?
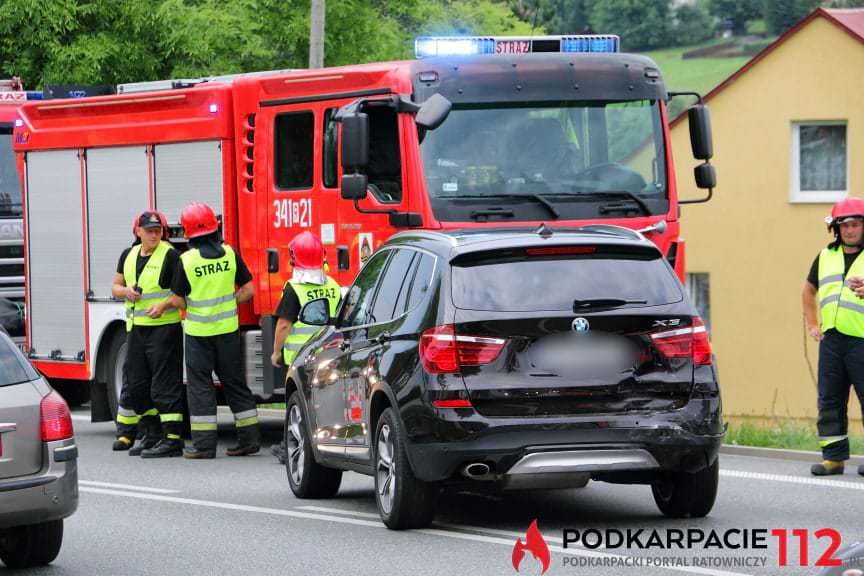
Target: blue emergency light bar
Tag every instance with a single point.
(431, 46)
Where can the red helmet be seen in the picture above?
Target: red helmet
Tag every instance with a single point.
(307, 251)
(147, 219)
(847, 208)
(198, 220)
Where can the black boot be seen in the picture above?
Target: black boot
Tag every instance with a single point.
(196, 454)
(152, 434)
(243, 450)
(122, 443)
(861, 470)
(167, 448)
(146, 443)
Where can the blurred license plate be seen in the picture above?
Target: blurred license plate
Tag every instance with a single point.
(582, 355)
(512, 46)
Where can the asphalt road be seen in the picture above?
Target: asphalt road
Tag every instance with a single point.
(237, 516)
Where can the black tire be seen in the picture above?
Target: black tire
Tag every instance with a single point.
(307, 478)
(683, 495)
(403, 501)
(115, 370)
(75, 392)
(34, 545)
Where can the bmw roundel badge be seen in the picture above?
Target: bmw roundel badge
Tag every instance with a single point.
(580, 325)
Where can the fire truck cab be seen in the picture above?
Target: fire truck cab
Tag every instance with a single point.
(476, 132)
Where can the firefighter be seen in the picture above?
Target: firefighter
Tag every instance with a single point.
(836, 283)
(153, 375)
(204, 285)
(309, 281)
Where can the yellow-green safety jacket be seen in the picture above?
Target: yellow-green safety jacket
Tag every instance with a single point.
(839, 307)
(211, 307)
(151, 292)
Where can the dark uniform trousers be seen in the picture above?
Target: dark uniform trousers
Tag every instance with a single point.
(841, 361)
(222, 354)
(154, 376)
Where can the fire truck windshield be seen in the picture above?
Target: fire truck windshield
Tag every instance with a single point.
(10, 184)
(577, 156)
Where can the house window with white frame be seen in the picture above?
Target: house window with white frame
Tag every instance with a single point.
(820, 161)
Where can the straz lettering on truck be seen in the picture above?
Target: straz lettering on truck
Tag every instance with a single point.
(208, 269)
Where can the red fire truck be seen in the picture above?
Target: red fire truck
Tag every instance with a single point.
(476, 132)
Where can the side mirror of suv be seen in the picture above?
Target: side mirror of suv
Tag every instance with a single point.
(316, 313)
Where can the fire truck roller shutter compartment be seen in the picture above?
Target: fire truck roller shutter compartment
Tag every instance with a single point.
(56, 260)
(188, 172)
(117, 191)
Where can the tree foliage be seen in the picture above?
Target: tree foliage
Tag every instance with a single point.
(780, 15)
(113, 41)
(641, 25)
(738, 12)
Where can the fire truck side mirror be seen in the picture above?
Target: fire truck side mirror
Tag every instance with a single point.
(355, 141)
(700, 132)
(354, 186)
(433, 112)
(706, 176)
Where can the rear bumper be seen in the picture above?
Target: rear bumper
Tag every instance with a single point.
(524, 453)
(49, 495)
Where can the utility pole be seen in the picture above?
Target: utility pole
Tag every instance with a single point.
(316, 35)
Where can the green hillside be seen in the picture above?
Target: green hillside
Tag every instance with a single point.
(699, 74)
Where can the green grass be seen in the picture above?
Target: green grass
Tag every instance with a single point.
(789, 434)
(699, 74)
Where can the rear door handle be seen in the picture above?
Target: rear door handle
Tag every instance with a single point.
(4, 427)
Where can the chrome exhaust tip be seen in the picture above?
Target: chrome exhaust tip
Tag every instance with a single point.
(475, 470)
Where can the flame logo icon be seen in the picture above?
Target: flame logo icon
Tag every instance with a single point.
(535, 544)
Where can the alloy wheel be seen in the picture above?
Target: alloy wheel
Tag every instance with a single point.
(385, 469)
(294, 445)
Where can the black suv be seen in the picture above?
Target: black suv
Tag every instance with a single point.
(514, 359)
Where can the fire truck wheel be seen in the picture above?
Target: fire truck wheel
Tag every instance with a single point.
(403, 500)
(307, 478)
(682, 495)
(116, 360)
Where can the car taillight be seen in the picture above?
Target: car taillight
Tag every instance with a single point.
(56, 420)
(701, 343)
(442, 351)
(691, 342)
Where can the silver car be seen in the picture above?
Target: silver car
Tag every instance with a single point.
(38, 463)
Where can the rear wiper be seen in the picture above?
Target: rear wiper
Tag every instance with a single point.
(587, 304)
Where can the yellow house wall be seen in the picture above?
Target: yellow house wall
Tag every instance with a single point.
(756, 245)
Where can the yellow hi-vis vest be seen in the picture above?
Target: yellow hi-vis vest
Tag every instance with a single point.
(211, 308)
(300, 333)
(840, 308)
(151, 292)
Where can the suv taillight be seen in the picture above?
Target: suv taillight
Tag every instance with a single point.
(442, 351)
(55, 417)
(691, 342)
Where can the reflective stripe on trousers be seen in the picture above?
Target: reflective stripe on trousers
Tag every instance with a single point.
(203, 423)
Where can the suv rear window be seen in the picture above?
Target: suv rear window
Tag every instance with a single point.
(516, 281)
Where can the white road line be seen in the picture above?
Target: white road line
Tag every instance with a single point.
(574, 551)
(377, 524)
(95, 484)
(81, 417)
(792, 479)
